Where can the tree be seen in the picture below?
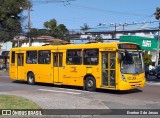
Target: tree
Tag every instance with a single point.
(147, 59)
(56, 31)
(59, 31)
(50, 24)
(39, 32)
(85, 27)
(10, 18)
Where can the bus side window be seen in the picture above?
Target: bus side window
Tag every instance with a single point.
(74, 57)
(13, 57)
(31, 57)
(44, 57)
(90, 57)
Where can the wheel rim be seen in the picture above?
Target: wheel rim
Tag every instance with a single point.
(90, 83)
(30, 79)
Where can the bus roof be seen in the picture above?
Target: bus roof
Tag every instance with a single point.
(73, 46)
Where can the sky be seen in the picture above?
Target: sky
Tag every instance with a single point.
(73, 14)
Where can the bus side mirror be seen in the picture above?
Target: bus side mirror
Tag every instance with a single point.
(120, 57)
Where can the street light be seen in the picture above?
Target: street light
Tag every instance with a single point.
(125, 24)
(101, 24)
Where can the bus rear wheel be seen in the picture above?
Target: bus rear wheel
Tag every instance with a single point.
(90, 83)
(31, 78)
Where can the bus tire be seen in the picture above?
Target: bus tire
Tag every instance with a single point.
(31, 78)
(90, 83)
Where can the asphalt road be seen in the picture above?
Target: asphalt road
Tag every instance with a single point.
(66, 97)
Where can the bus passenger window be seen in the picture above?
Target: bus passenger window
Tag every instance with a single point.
(13, 57)
(44, 57)
(74, 57)
(31, 57)
(90, 57)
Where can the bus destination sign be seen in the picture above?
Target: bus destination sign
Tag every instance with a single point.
(129, 46)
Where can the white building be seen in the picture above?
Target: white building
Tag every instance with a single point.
(5, 46)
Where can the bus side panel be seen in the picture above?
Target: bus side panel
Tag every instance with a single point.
(73, 75)
(44, 73)
(13, 71)
(13, 66)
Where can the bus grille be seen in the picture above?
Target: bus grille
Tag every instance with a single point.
(135, 82)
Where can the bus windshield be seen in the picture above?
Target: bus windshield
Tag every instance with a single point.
(131, 62)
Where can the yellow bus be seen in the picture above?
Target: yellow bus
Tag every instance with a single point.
(116, 66)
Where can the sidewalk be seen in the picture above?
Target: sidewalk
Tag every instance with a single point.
(153, 80)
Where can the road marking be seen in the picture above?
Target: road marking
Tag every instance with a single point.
(73, 90)
(56, 91)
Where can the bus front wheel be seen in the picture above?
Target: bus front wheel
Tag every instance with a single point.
(31, 78)
(90, 83)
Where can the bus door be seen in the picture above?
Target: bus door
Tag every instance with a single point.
(109, 69)
(57, 67)
(20, 65)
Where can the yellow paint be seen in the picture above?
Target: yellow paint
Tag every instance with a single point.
(73, 74)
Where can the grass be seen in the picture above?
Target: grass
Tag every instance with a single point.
(14, 102)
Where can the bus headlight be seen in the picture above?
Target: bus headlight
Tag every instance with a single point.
(123, 78)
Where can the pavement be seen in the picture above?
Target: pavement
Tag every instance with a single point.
(54, 97)
(4, 72)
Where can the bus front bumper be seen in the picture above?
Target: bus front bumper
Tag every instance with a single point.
(128, 85)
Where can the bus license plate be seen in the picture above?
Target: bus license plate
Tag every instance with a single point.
(137, 85)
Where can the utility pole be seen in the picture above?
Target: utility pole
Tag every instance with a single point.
(115, 28)
(29, 23)
(157, 13)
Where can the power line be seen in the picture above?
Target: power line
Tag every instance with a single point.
(108, 11)
(67, 2)
(127, 24)
(39, 2)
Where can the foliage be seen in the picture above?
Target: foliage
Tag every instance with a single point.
(59, 31)
(39, 32)
(147, 59)
(10, 19)
(56, 31)
(50, 24)
(85, 27)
